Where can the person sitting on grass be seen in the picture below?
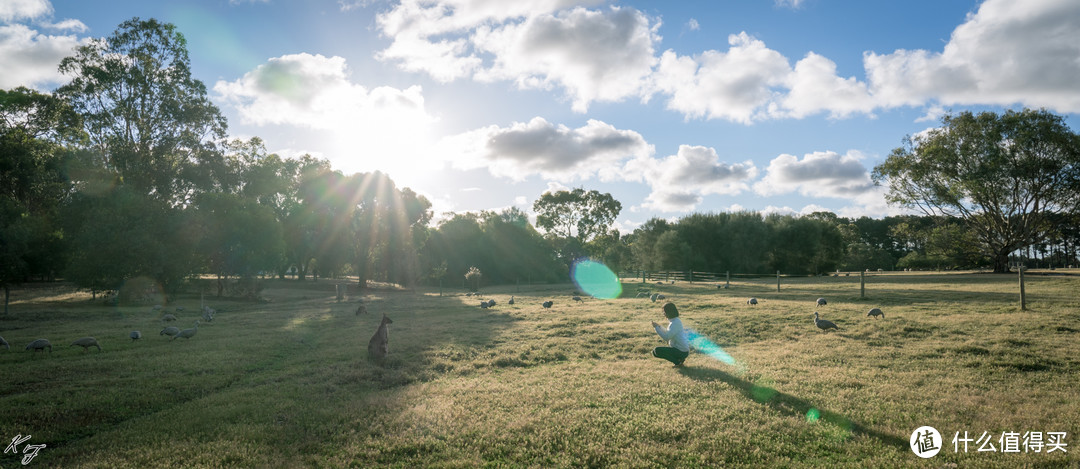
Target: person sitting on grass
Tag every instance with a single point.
(675, 335)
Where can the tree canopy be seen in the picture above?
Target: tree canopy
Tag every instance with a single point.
(576, 213)
(1002, 174)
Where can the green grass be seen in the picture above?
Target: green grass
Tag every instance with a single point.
(287, 382)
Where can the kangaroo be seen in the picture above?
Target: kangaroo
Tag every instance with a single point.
(377, 346)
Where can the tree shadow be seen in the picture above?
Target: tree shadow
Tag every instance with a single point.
(790, 405)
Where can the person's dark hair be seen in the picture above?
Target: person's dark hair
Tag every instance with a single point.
(670, 311)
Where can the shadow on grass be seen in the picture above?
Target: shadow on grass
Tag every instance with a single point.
(791, 405)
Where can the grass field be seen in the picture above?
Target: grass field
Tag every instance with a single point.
(287, 382)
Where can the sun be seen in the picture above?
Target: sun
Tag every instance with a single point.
(398, 142)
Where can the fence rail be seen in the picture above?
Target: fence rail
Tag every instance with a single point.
(691, 276)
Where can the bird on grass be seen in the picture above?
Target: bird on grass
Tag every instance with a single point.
(3, 343)
(40, 344)
(824, 324)
(188, 333)
(876, 312)
(511, 302)
(822, 302)
(86, 342)
(578, 298)
(751, 301)
(135, 335)
(547, 304)
(170, 331)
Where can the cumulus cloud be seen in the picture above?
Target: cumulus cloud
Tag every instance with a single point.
(16, 10)
(594, 55)
(680, 181)
(603, 55)
(30, 58)
(814, 87)
(1005, 53)
(752, 82)
(818, 174)
(435, 36)
(314, 91)
(539, 147)
(734, 85)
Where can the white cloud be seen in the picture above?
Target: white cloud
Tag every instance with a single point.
(15, 10)
(815, 87)
(735, 85)
(69, 25)
(793, 4)
(313, 91)
(29, 58)
(680, 181)
(818, 174)
(434, 37)
(601, 55)
(785, 210)
(595, 55)
(693, 25)
(1006, 53)
(553, 187)
(539, 147)
(751, 82)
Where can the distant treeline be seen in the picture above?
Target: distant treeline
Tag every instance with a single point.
(126, 173)
(747, 242)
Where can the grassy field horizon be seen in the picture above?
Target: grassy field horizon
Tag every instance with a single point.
(286, 382)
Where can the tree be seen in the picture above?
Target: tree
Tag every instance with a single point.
(1002, 174)
(148, 120)
(576, 214)
(36, 130)
(473, 277)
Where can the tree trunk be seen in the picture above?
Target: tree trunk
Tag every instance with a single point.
(1001, 262)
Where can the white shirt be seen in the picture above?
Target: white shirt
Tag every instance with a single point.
(674, 334)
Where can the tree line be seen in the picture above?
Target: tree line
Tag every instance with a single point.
(125, 173)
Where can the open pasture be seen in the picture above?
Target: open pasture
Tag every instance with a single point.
(287, 382)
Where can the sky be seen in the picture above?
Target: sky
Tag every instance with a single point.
(672, 107)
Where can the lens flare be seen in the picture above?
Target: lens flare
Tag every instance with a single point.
(595, 279)
(813, 415)
(704, 345)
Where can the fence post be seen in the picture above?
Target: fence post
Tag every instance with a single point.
(777, 280)
(862, 284)
(691, 276)
(1023, 297)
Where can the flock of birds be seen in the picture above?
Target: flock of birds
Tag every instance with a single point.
(41, 345)
(208, 316)
(825, 324)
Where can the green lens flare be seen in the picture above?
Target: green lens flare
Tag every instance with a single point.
(704, 345)
(812, 415)
(595, 279)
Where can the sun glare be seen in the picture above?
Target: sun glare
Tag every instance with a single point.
(396, 142)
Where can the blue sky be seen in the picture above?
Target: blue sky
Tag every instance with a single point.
(672, 107)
